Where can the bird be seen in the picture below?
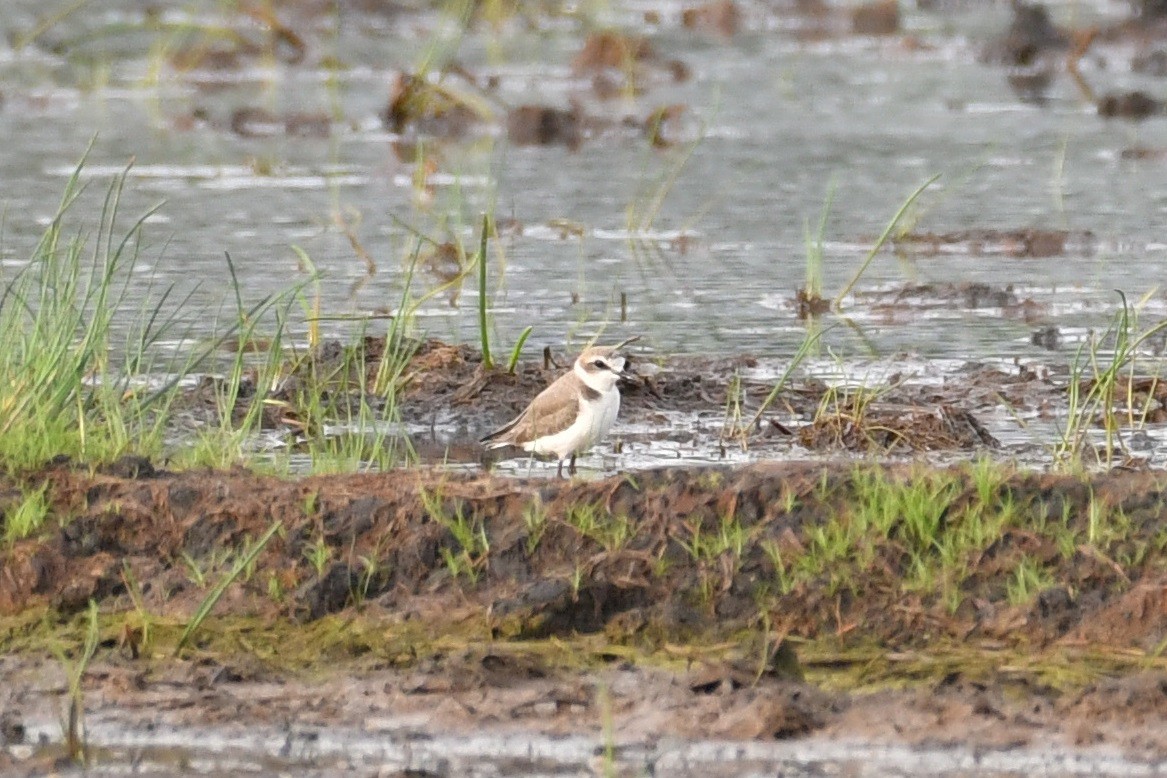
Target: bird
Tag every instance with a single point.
(573, 413)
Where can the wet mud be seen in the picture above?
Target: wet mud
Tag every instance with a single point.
(575, 603)
(619, 717)
(698, 410)
(446, 387)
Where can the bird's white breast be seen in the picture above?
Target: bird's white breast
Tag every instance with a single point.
(592, 423)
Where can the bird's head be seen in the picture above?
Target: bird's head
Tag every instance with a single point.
(601, 367)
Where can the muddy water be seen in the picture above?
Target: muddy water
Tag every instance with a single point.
(399, 748)
(773, 123)
(699, 247)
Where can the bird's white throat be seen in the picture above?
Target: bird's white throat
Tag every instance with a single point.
(602, 381)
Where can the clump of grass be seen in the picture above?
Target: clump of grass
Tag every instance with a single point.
(717, 552)
(225, 444)
(348, 424)
(927, 525)
(318, 553)
(344, 410)
(70, 384)
(1100, 393)
(810, 296)
(535, 517)
(735, 396)
(1029, 579)
(468, 532)
(358, 402)
(928, 533)
(610, 532)
(841, 418)
(913, 514)
(28, 516)
(782, 567)
(59, 392)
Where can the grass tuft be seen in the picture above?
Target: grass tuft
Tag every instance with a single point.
(242, 565)
(27, 518)
(59, 392)
(1102, 391)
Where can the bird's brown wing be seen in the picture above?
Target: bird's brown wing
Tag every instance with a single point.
(544, 416)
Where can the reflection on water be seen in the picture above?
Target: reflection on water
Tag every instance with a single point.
(699, 246)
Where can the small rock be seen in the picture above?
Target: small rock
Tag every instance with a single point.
(1129, 105)
(881, 17)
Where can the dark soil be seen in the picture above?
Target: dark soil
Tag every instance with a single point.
(557, 577)
(547, 623)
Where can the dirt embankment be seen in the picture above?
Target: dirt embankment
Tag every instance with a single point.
(683, 602)
(657, 556)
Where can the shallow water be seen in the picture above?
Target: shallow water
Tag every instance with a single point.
(774, 123)
(386, 745)
(777, 122)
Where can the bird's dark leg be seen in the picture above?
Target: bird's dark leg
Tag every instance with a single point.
(559, 472)
(571, 467)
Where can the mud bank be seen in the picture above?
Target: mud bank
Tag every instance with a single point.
(479, 714)
(656, 556)
(988, 609)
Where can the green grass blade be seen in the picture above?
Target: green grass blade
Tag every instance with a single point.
(517, 351)
(883, 239)
(487, 362)
(212, 598)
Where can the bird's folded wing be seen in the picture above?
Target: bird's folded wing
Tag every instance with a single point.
(538, 420)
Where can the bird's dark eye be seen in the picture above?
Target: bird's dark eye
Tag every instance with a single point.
(601, 364)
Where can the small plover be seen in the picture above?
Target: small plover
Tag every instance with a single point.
(574, 413)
